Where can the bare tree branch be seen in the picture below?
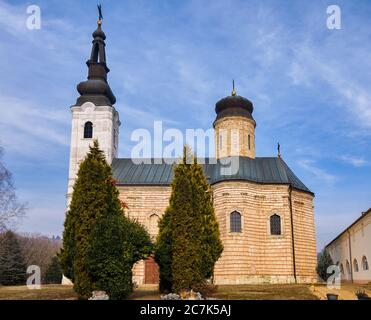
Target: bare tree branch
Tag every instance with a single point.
(11, 209)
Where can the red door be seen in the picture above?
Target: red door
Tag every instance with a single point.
(151, 274)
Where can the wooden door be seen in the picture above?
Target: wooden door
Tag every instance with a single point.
(151, 273)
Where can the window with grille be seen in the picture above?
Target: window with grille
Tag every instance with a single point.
(275, 222)
(88, 130)
(235, 220)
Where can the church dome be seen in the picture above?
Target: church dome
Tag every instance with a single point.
(97, 91)
(234, 105)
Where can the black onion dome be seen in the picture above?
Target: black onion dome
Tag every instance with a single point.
(97, 91)
(234, 105)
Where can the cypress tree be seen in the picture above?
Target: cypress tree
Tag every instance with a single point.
(12, 265)
(90, 200)
(53, 274)
(202, 200)
(188, 243)
(100, 245)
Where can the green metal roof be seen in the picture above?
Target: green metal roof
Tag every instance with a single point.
(263, 170)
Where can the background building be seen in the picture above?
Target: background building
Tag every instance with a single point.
(351, 250)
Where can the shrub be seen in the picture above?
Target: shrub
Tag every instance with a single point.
(324, 261)
(53, 274)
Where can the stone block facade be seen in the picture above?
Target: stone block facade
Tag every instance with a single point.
(235, 136)
(252, 255)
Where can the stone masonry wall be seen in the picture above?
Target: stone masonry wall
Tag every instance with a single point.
(232, 135)
(146, 204)
(252, 256)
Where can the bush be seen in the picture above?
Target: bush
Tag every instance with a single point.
(117, 244)
(163, 252)
(53, 274)
(324, 261)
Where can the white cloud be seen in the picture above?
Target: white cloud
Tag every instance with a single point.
(354, 161)
(313, 64)
(13, 19)
(318, 173)
(31, 130)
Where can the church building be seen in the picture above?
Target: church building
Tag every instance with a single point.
(265, 213)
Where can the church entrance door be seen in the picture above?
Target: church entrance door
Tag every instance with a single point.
(151, 273)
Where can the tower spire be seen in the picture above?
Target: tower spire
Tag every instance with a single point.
(96, 88)
(278, 150)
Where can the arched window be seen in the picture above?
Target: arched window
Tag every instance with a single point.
(355, 265)
(248, 141)
(341, 268)
(275, 224)
(153, 224)
(364, 263)
(347, 266)
(235, 220)
(88, 130)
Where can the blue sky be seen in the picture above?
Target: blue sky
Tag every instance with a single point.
(171, 61)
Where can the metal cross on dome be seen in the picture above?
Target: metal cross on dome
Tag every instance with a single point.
(100, 11)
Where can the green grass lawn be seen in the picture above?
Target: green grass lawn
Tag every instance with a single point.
(230, 292)
(265, 292)
(47, 292)
(248, 292)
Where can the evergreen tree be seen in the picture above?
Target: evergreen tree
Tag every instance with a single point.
(100, 245)
(186, 232)
(12, 265)
(90, 200)
(211, 244)
(53, 274)
(117, 243)
(163, 252)
(188, 244)
(324, 261)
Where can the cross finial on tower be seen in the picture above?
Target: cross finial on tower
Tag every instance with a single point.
(233, 90)
(279, 150)
(100, 16)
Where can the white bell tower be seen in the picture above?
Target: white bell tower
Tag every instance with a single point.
(94, 115)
